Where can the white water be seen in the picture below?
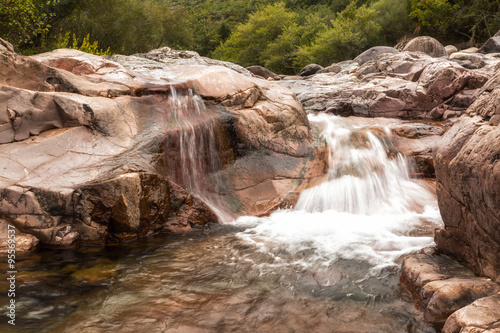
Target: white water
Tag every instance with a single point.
(368, 210)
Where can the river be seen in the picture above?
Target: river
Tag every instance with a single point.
(330, 264)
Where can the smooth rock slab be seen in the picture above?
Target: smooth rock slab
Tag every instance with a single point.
(441, 286)
(482, 316)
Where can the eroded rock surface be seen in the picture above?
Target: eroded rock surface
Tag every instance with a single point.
(482, 316)
(406, 85)
(89, 146)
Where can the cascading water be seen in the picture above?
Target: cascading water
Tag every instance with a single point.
(192, 150)
(329, 265)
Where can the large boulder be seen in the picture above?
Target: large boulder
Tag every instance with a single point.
(373, 52)
(492, 45)
(468, 185)
(93, 150)
(427, 45)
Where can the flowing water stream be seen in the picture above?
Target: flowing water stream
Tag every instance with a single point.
(331, 264)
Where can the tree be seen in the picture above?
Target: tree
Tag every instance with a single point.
(22, 20)
(248, 43)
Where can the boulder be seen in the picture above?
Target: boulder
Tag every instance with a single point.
(468, 185)
(262, 72)
(92, 149)
(427, 45)
(441, 286)
(310, 69)
(450, 49)
(373, 52)
(492, 45)
(482, 316)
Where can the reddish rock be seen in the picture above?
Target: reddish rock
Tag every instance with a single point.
(468, 174)
(482, 316)
(89, 147)
(441, 286)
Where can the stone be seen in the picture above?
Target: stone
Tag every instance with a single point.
(373, 52)
(406, 85)
(90, 146)
(470, 50)
(25, 243)
(492, 45)
(482, 316)
(310, 69)
(330, 69)
(468, 175)
(427, 45)
(441, 286)
(450, 49)
(262, 72)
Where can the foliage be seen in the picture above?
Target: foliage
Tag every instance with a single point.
(23, 20)
(248, 43)
(72, 42)
(353, 31)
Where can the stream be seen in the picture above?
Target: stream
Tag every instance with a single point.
(330, 264)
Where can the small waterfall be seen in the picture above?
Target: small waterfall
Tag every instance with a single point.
(362, 179)
(192, 149)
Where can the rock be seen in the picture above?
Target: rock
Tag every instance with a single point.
(330, 69)
(468, 175)
(6, 46)
(90, 147)
(405, 85)
(492, 45)
(482, 316)
(442, 286)
(262, 72)
(427, 45)
(497, 34)
(474, 58)
(373, 52)
(470, 50)
(450, 49)
(310, 70)
(25, 243)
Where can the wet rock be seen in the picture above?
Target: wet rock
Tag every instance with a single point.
(450, 49)
(427, 45)
(441, 286)
(262, 72)
(468, 175)
(405, 85)
(492, 45)
(310, 70)
(482, 316)
(373, 52)
(86, 144)
(25, 243)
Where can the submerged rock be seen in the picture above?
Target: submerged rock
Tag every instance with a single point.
(90, 146)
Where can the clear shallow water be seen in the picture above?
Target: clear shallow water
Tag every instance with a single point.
(330, 265)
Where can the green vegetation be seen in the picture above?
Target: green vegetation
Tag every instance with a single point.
(282, 35)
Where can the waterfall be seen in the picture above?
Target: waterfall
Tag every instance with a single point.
(362, 179)
(192, 149)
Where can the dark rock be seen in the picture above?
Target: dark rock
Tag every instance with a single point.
(492, 45)
(427, 45)
(373, 52)
(310, 70)
(262, 72)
